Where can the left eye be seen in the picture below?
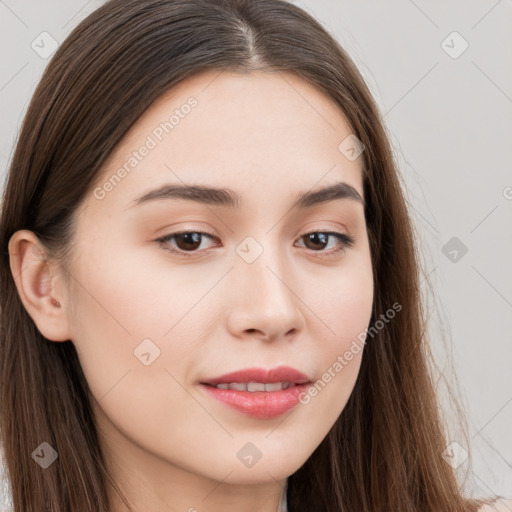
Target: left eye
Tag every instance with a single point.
(190, 241)
(322, 237)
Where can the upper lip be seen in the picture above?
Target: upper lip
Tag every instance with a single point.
(279, 374)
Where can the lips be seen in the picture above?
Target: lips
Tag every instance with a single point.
(260, 375)
(258, 392)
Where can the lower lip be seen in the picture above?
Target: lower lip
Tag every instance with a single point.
(259, 404)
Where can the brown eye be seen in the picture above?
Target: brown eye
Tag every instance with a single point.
(316, 240)
(188, 241)
(319, 240)
(185, 241)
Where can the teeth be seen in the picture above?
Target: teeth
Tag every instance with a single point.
(254, 386)
(238, 386)
(276, 386)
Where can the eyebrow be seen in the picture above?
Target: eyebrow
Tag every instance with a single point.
(229, 198)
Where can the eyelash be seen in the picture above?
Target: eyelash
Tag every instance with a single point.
(345, 241)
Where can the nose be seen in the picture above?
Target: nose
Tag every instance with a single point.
(265, 303)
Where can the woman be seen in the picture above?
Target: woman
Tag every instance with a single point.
(210, 295)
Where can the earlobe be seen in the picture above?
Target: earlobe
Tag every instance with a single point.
(39, 289)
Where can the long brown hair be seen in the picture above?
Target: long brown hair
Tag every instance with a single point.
(384, 451)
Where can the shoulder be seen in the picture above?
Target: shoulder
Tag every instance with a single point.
(500, 505)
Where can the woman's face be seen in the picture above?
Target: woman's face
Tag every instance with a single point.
(152, 321)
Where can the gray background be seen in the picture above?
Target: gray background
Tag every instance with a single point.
(449, 121)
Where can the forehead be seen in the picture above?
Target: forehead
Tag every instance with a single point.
(260, 130)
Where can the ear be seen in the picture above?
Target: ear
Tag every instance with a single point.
(40, 291)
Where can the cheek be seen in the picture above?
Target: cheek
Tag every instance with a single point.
(347, 312)
(133, 320)
(131, 294)
(344, 307)
(134, 370)
(345, 302)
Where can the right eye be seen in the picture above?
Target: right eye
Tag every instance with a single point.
(186, 241)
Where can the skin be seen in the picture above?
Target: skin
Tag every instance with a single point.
(268, 136)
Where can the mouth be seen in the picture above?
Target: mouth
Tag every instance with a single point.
(259, 393)
(253, 387)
